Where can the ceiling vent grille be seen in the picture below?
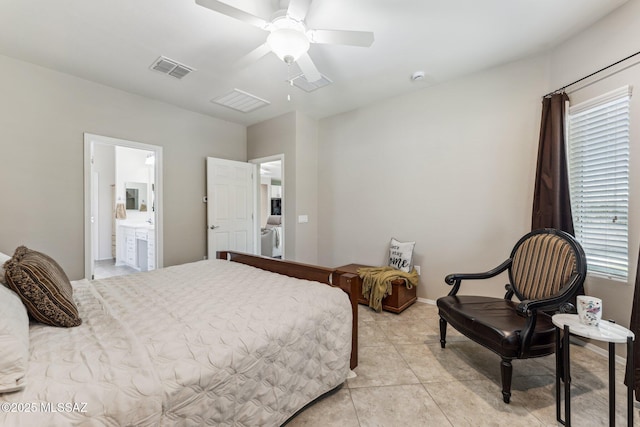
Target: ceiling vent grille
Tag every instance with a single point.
(240, 101)
(301, 82)
(169, 66)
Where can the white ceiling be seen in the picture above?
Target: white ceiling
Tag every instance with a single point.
(271, 170)
(114, 42)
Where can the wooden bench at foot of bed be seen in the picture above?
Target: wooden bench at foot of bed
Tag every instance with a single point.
(345, 281)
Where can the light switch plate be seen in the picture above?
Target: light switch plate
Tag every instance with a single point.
(303, 218)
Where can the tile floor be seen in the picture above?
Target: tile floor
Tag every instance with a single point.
(107, 268)
(404, 378)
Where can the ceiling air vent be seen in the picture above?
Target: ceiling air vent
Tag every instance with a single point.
(240, 101)
(304, 84)
(169, 66)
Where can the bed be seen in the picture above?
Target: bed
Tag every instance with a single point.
(218, 342)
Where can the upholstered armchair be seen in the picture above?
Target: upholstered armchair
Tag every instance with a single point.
(546, 269)
(271, 239)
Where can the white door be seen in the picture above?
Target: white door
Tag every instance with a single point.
(95, 221)
(230, 206)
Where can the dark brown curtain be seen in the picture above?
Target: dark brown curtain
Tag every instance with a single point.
(634, 325)
(551, 203)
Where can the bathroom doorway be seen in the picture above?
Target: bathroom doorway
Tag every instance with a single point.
(123, 206)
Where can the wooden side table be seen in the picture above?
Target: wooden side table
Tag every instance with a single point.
(605, 331)
(400, 299)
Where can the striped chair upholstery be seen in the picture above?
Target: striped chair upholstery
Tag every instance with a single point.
(541, 265)
(546, 269)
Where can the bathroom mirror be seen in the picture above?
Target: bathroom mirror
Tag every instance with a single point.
(136, 196)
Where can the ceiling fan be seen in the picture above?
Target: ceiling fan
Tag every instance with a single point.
(289, 38)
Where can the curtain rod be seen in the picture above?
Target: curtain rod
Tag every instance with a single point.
(591, 75)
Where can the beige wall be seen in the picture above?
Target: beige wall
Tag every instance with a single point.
(606, 42)
(295, 136)
(306, 189)
(43, 116)
(451, 167)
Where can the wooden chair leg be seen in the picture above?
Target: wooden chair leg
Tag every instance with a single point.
(443, 332)
(506, 371)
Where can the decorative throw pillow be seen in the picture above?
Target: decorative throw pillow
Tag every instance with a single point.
(43, 287)
(3, 258)
(401, 255)
(14, 341)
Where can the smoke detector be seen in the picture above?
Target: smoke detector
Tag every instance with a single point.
(417, 76)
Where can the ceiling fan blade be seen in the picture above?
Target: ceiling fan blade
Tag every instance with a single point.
(352, 38)
(298, 9)
(308, 68)
(233, 12)
(252, 56)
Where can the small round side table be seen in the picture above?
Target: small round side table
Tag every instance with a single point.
(605, 331)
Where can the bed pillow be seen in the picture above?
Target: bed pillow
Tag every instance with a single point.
(43, 287)
(401, 255)
(3, 258)
(14, 341)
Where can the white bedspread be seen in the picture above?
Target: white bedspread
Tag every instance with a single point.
(207, 343)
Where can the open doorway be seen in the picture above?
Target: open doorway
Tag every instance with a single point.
(123, 207)
(271, 206)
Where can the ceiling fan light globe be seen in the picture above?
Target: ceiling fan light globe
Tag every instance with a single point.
(288, 44)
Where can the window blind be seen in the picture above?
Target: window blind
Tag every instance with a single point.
(598, 156)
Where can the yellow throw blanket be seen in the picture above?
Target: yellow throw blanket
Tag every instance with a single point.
(376, 283)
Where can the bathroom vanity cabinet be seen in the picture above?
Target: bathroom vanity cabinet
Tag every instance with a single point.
(136, 246)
